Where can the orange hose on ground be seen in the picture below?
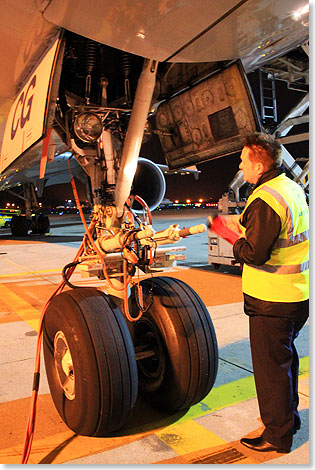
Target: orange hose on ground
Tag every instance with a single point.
(32, 412)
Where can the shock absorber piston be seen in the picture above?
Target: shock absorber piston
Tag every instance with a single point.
(125, 70)
(90, 61)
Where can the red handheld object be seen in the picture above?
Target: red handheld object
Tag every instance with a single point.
(218, 225)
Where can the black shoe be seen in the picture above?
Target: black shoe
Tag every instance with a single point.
(259, 444)
(296, 428)
(297, 424)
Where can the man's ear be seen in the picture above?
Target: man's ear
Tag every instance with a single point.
(260, 168)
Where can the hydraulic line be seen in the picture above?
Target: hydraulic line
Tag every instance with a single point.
(91, 238)
(126, 278)
(64, 274)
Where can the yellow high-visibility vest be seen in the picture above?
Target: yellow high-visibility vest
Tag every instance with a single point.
(285, 276)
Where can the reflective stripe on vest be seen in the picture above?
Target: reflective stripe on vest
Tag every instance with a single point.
(284, 277)
(294, 240)
(283, 269)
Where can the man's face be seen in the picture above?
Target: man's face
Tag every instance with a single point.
(251, 170)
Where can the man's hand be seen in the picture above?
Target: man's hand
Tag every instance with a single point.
(218, 225)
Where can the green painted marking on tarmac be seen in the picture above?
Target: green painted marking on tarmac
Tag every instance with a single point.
(231, 393)
(304, 367)
(223, 396)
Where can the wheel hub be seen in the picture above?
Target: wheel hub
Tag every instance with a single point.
(151, 365)
(64, 365)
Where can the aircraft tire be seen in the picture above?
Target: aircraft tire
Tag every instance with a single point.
(178, 328)
(42, 224)
(19, 226)
(90, 361)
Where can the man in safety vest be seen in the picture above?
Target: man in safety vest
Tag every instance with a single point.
(274, 251)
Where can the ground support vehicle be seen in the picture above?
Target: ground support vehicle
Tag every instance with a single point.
(6, 216)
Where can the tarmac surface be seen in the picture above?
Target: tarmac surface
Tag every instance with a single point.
(208, 433)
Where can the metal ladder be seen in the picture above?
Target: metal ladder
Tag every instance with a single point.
(268, 101)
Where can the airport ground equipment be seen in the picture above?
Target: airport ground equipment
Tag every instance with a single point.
(6, 216)
(230, 205)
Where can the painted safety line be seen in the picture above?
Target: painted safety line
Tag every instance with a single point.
(188, 437)
(57, 271)
(29, 273)
(21, 307)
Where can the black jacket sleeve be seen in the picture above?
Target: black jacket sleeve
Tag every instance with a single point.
(263, 226)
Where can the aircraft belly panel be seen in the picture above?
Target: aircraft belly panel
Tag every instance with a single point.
(163, 30)
(256, 31)
(24, 37)
(153, 29)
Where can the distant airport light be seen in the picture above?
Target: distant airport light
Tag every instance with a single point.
(88, 127)
(176, 201)
(200, 200)
(188, 201)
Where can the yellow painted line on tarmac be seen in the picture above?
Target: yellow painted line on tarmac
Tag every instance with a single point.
(188, 437)
(28, 273)
(21, 307)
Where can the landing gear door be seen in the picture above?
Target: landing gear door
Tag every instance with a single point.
(32, 111)
(209, 120)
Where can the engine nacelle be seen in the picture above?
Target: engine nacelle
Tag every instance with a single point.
(149, 184)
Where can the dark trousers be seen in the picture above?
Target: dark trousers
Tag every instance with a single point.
(276, 367)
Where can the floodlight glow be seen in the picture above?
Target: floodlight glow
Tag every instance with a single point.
(297, 14)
